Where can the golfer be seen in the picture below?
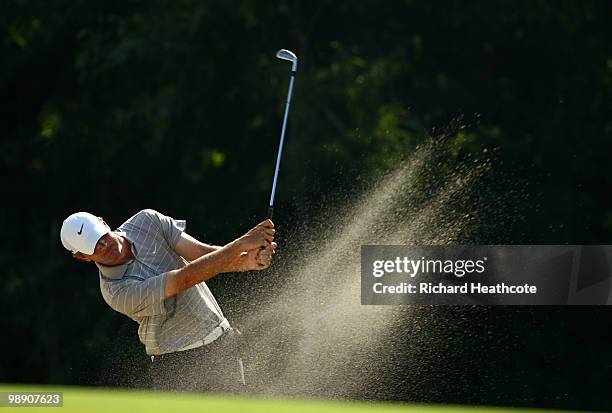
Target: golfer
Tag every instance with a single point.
(154, 272)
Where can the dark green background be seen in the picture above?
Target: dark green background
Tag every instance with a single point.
(115, 106)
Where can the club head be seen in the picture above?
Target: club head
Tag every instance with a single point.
(285, 54)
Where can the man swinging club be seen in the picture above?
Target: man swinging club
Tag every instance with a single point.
(155, 273)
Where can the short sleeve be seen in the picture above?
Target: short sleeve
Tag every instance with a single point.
(139, 298)
(171, 228)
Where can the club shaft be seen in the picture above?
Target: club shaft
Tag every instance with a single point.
(280, 146)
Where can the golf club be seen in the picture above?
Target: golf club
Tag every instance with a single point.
(283, 54)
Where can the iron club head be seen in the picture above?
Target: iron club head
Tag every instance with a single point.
(285, 54)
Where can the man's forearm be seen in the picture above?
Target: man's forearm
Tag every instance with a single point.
(241, 254)
(207, 249)
(220, 260)
(191, 249)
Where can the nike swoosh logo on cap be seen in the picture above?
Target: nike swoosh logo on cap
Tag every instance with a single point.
(81, 230)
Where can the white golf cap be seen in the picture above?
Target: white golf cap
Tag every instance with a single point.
(81, 231)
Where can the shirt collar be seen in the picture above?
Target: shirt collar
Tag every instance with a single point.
(114, 271)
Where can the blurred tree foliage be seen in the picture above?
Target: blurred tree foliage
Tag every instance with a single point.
(113, 106)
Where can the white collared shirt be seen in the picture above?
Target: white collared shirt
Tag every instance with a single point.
(137, 287)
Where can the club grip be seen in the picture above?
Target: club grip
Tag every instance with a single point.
(270, 212)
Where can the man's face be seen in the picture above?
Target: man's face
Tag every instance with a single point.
(108, 250)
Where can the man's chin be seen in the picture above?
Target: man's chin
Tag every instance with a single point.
(106, 261)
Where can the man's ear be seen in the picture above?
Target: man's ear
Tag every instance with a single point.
(80, 257)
